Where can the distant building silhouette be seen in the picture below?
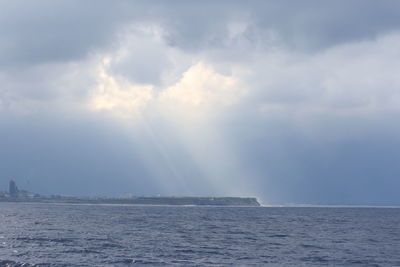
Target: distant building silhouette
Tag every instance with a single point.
(13, 189)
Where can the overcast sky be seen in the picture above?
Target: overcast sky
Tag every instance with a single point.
(289, 101)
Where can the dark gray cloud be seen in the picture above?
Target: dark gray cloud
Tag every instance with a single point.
(48, 31)
(314, 24)
(295, 101)
(55, 31)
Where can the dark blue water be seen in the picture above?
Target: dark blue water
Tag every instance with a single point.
(101, 235)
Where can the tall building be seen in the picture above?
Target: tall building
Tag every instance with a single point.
(13, 189)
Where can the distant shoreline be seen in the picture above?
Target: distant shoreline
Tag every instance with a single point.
(168, 201)
(85, 202)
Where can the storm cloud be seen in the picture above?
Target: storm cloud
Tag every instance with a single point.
(290, 102)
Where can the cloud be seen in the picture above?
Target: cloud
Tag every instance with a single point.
(201, 86)
(57, 31)
(290, 102)
(143, 56)
(54, 31)
(350, 78)
(118, 95)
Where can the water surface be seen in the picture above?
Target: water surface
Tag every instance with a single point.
(117, 235)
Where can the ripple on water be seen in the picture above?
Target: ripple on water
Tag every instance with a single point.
(79, 235)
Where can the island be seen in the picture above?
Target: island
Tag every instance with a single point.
(16, 195)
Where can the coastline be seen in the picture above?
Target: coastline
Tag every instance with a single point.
(156, 201)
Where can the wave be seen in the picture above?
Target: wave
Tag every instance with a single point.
(10, 263)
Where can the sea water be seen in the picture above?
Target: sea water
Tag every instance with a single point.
(118, 235)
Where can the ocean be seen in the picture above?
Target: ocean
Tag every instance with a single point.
(122, 235)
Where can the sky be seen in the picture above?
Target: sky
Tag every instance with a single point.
(288, 101)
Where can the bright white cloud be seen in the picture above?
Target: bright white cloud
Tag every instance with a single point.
(118, 95)
(201, 86)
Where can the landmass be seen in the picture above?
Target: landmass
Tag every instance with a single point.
(16, 195)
